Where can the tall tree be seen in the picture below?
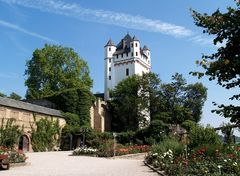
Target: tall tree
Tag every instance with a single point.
(124, 104)
(223, 65)
(54, 69)
(181, 101)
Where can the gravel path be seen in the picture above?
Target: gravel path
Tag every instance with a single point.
(61, 164)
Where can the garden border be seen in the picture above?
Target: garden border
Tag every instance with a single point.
(154, 169)
(20, 164)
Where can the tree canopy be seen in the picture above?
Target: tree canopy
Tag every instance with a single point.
(15, 96)
(223, 65)
(54, 69)
(139, 97)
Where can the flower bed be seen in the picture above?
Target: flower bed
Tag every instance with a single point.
(211, 160)
(84, 151)
(108, 150)
(14, 156)
(123, 150)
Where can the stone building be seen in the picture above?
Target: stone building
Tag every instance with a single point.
(24, 113)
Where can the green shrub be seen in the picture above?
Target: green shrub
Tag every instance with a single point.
(126, 137)
(9, 133)
(171, 143)
(199, 135)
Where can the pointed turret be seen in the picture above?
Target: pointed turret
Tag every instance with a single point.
(145, 47)
(110, 43)
(135, 38)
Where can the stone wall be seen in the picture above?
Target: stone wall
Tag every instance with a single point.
(25, 118)
(100, 117)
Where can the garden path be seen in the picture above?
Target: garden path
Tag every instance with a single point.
(61, 164)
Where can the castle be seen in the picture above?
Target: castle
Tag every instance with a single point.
(123, 60)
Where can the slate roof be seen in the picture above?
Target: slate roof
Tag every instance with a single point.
(145, 47)
(124, 45)
(8, 102)
(110, 43)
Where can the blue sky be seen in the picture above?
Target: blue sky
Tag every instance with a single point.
(166, 27)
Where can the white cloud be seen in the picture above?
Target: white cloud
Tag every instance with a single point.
(106, 17)
(206, 41)
(9, 75)
(202, 40)
(20, 29)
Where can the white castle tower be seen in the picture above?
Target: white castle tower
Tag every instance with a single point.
(123, 60)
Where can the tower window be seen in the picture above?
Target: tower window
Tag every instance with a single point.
(109, 68)
(109, 49)
(132, 53)
(110, 60)
(127, 72)
(127, 54)
(148, 53)
(122, 55)
(109, 78)
(117, 56)
(136, 44)
(136, 53)
(132, 45)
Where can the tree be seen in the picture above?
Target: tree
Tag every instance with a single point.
(172, 103)
(75, 101)
(223, 65)
(195, 96)
(124, 104)
(54, 69)
(15, 96)
(181, 101)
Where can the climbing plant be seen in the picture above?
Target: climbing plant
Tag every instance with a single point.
(9, 133)
(45, 134)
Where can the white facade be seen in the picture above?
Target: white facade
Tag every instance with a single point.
(123, 60)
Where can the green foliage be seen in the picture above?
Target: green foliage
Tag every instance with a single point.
(15, 96)
(126, 137)
(76, 101)
(180, 102)
(2, 95)
(228, 133)
(223, 65)
(45, 134)
(157, 130)
(124, 105)
(171, 103)
(162, 154)
(54, 69)
(9, 133)
(199, 135)
(72, 123)
(171, 143)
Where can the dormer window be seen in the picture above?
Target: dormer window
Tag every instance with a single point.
(109, 49)
(127, 54)
(122, 55)
(117, 56)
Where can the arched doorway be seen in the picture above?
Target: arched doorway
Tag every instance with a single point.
(24, 143)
